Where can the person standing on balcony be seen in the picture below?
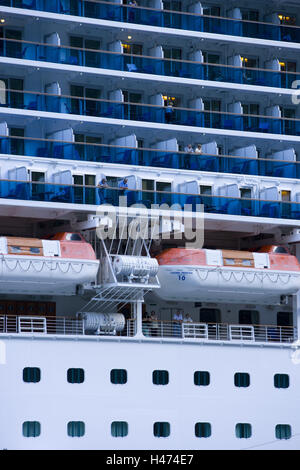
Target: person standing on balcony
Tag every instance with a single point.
(188, 319)
(102, 186)
(169, 112)
(188, 149)
(154, 323)
(146, 325)
(131, 12)
(123, 187)
(177, 323)
(198, 149)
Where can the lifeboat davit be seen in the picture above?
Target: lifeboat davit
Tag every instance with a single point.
(56, 266)
(263, 277)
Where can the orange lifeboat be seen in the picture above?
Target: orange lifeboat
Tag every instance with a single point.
(227, 275)
(55, 266)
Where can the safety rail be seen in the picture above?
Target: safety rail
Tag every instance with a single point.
(102, 59)
(134, 14)
(52, 326)
(219, 331)
(107, 153)
(95, 195)
(153, 329)
(149, 113)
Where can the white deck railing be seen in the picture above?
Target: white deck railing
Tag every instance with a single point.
(154, 329)
(220, 331)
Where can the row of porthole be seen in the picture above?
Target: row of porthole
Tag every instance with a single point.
(160, 429)
(159, 377)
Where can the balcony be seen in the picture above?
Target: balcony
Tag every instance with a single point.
(104, 153)
(64, 326)
(162, 18)
(196, 332)
(149, 113)
(94, 195)
(219, 332)
(146, 65)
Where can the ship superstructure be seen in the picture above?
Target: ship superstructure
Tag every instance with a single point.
(150, 110)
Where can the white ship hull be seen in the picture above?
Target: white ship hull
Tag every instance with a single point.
(97, 402)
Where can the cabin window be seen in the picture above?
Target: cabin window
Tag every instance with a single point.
(88, 152)
(171, 67)
(31, 429)
(75, 376)
(37, 179)
(74, 237)
(133, 49)
(118, 376)
(250, 15)
(247, 262)
(76, 429)
(160, 377)
(212, 10)
(241, 379)
(83, 43)
(31, 374)
(229, 261)
(281, 381)
(285, 319)
(175, 100)
(15, 249)
(161, 429)
(202, 429)
(248, 317)
(82, 193)
(210, 315)
(35, 251)
(205, 190)
(250, 62)
(210, 58)
(147, 185)
(119, 429)
(17, 145)
(201, 377)
(287, 66)
(287, 19)
(245, 193)
(283, 431)
(280, 250)
(285, 196)
(243, 430)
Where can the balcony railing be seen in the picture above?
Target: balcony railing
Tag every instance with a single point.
(52, 326)
(143, 64)
(36, 101)
(11, 324)
(220, 332)
(94, 195)
(34, 147)
(161, 18)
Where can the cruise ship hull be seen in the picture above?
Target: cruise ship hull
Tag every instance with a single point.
(97, 402)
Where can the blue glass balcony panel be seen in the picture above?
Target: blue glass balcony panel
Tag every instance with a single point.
(150, 113)
(47, 192)
(162, 18)
(148, 158)
(148, 65)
